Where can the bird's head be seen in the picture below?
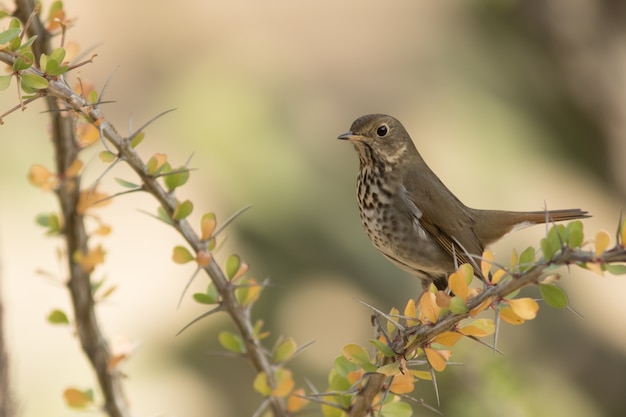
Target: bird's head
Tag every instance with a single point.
(378, 138)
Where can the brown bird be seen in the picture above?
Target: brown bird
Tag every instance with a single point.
(412, 218)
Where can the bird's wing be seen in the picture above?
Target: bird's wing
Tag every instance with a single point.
(444, 217)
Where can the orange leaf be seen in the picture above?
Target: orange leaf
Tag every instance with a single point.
(74, 169)
(295, 402)
(525, 308)
(89, 261)
(443, 299)
(596, 268)
(203, 258)
(91, 198)
(507, 314)
(284, 383)
(87, 134)
(486, 262)
(39, 176)
(447, 338)
(354, 376)
(437, 358)
(481, 307)
(497, 276)
(76, 398)
(602, 242)
(458, 285)
(622, 233)
(402, 383)
(429, 308)
(479, 328)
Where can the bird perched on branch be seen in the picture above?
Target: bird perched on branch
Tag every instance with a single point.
(412, 218)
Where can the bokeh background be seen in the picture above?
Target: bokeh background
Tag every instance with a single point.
(515, 104)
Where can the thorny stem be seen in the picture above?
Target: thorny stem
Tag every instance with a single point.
(91, 339)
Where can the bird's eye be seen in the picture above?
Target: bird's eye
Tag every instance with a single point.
(382, 131)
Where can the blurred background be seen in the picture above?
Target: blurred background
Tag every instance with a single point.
(514, 104)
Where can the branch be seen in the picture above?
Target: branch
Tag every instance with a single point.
(423, 333)
(59, 89)
(66, 152)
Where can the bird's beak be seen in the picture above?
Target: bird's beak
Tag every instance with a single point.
(347, 136)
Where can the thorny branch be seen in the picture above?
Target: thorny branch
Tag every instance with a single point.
(92, 340)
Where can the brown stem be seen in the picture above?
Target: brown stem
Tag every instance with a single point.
(66, 152)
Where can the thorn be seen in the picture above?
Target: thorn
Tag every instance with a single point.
(229, 221)
(135, 133)
(180, 300)
(386, 316)
(200, 317)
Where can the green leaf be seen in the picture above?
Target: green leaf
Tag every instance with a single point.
(181, 255)
(261, 385)
(58, 317)
(107, 156)
(231, 342)
(553, 296)
(23, 61)
(575, 234)
(127, 184)
(343, 366)
(26, 45)
(163, 216)
(183, 210)
(457, 305)
(547, 249)
(527, 259)
(9, 34)
(5, 81)
(203, 298)
(233, 262)
(397, 409)
(615, 269)
(57, 55)
(557, 236)
(33, 82)
(50, 221)
(359, 356)
(285, 350)
(382, 347)
(137, 139)
(175, 180)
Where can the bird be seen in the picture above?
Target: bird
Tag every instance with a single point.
(412, 218)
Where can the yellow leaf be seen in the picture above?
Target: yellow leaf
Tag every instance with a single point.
(260, 384)
(596, 268)
(458, 285)
(525, 308)
(481, 307)
(207, 225)
(390, 369)
(479, 328)
(410, 310)
(497, 276)
(40, 177)
(402, 383)
(87, 134)
(486, 262)
(354, 376)
(295, 402)
(76, 398)
(91, 198)
(284, 383)
(103, 230)
(447, 338)
(425, 375)
(429, 308)
(437, 358)
(90, 260)
(507, 314)
(602, 242)
(74, 169)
